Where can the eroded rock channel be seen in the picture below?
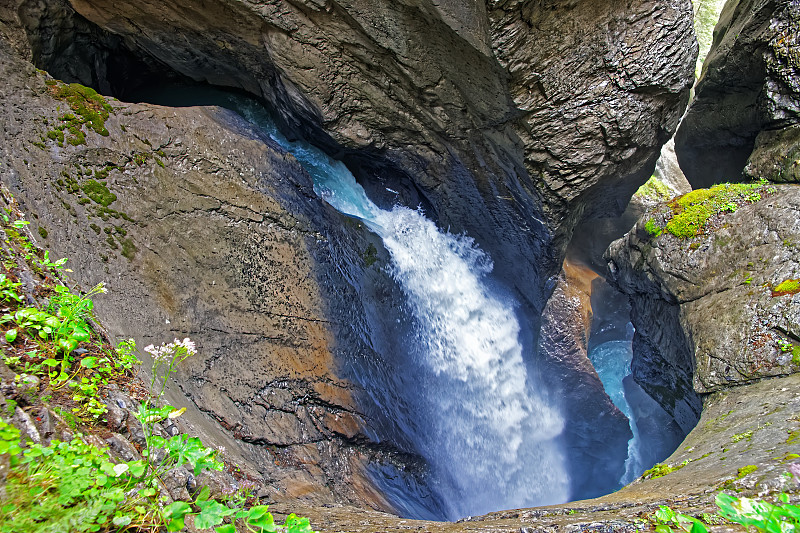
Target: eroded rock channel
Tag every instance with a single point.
(365, 230)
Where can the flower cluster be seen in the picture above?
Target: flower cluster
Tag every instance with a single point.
(175, 351)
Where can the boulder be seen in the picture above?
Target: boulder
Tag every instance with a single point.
(717, 310)
(748, 92)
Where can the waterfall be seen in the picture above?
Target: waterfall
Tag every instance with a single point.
(486, 434)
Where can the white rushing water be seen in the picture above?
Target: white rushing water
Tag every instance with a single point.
(486, 434)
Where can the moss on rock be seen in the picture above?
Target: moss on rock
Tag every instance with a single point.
(691, 212)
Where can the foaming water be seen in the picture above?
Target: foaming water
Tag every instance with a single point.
(487, 435)
(468, 404)
(490, 436)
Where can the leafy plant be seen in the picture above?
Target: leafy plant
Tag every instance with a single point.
(8, 290)
(666, 519)
(182, 449)
(69, 486)
(762, 515)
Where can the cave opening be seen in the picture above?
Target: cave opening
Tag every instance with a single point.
(80, 52)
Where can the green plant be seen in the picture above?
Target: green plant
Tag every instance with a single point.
(89, 108)
(653, 229)
(691, 212)
(665, 519)
(748, 435)
(98, 193)
(8, 289)
(70, 486)
(661, 470)
(73, 311)
(762, 515)
(182, 449)
(53, 266)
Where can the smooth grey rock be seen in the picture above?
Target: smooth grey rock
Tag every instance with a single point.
(750, 84)
(176, 480)
(122, 448)
(704, 306)
(45, 422)
(220, 483)
(23, 421)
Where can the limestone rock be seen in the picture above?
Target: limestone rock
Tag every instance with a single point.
(211, 232)
(176, 481)
(750, 85)
(776, 156)
(597, 455)
(708, 305)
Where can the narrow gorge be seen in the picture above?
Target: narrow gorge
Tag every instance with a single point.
(429, 249)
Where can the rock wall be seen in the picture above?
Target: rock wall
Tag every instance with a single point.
(507, 120)
(748, 92)
(709, 308)
(202, 228)
(597, 433)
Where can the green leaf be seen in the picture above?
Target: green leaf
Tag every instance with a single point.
(295, 524)
(665, 514)
(11, 335)
(120, 521)
(67, 345)
(137, 468)
(227, 528)
(174, 515)
(205, 493)
(698, 527)
(89, 362)
(258, 517)
(211, 514)
(661, 528)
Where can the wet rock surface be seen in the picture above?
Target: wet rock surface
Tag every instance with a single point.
(749, 90)
(518, 113)
(711, 299)
(216, 235)
(598, 456)
(201, 228)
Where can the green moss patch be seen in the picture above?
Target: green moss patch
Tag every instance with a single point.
(652, 228)
(691, 212)
(88, 108)
(98, 193)
(654, 189)
(745, 470)
(661, 470)
(789, 286)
